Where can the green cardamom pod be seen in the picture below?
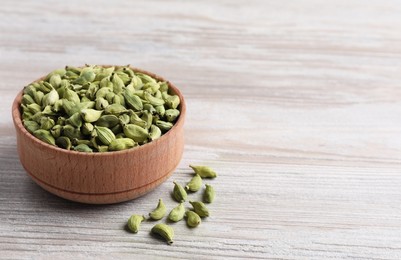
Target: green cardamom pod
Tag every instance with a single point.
(45, 136)
(56, 131)
(152, 100)
(115, 109)
(58, 106)
(58, 72)
(163, 86)
(86, 75)
(193, 219)
(195, 183)
(108, 121)
(117, 129)
(204, 171)
(123, 76)
(177, 213)
(27, 100)
(173, 101)
(72, 132)
(103, 91)
(209, 194)
(148, 118)
(136, 133)
(46, 123)
(136, 120)
(63, 142)
(31, 126)
(165, 231)
(87, 128)
(164, 126)
(55, 80)
(134, 222)
(101, 103)
(172, 114)
(133, 101)
(83, 148)
(28, 116)
(159, 211)
(121, 144)
(160, 110)
(38, 96)
(154, 133)
(33, 108)
(48, 111)
(61, 120)
(50, 98)
(158, 94)
(73, 69)
(145, 78)
(91, 92)
(104, 134)
(149, 108)
(72, 96)
(124, 119)
(104, 72)
(75, 120)
(200, 208)
(103, 148)
(118, 83)
(179, 192)
(45, 86)
(90, 115)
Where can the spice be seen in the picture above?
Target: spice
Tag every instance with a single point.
(134, 222)
(159, 211)
(164, 231)
(100, 102)
(177, 213)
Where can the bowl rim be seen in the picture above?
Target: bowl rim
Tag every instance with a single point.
(16, 115)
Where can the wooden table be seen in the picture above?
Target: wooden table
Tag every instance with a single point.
(296, 104)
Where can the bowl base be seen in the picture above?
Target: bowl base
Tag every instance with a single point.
(100, 198)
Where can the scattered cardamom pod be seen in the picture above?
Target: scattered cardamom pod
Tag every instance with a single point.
(134, 222)
(165, 231)
(200, 208)
(177, 213)
(209, 194)
(159, 211)
(179, 192)
(193, 219)
(194, 184)
(204, 171)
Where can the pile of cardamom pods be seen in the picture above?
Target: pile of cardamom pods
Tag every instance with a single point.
(193, 216)
(98, 109)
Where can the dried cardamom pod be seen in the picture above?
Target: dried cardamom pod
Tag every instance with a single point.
(118, 83)
(200, 208)
(115, 109)
(133, 101)
(63, 142)
(72, 96)
(164, 126)
(27, 100)
(134, 222)
(160, 110)
(193, 219)
(87, 128)
(172, 114)
(159, 211)
(55, 80)
(83, 148)
(121, 144)
(75, 120)
(179, 192)
(136, 120)
(90, 115)
(209, 194)
(149, 108)
(154, 133)
(101, 103)
(195, 183)
(124, 119)
(31, 126)
(46, 123)
(45, 136)
(107, 121)
(148, 118)
(136, 133)
(177, 213)
(72, 132)
(173, 101)
(104, 134)
(165, 231)
(56, 131)
(204, 171)
(152, 100)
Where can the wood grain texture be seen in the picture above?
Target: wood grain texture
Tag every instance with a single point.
(296, 105)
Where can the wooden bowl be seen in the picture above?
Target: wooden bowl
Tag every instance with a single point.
(101, 178)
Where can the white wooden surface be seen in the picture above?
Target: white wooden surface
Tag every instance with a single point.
(296, 104)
